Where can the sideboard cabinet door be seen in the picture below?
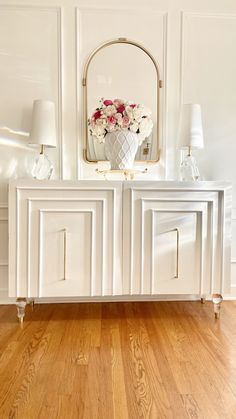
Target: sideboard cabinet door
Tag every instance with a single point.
(66, 239)
(177, 239)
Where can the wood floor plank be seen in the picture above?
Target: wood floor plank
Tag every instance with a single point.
(118, 360)
(118, 373)
(207, 367)
(160, 402)
(92, 397)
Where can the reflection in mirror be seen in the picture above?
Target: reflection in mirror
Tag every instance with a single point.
(124, 70)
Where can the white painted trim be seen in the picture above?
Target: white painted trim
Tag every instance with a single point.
(80, 128)
(203, 214)
(41, 236)
(184, 16)
(152, 187)
(58, 11)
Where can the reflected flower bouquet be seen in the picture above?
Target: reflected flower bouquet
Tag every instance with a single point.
(117, 115)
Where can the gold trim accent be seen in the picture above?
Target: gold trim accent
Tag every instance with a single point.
(177, 253)
(42, 149)
(129, 174)
(64, 247)
(121, 40)
(177, 249)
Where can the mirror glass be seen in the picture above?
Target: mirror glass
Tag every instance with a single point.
(123, 71)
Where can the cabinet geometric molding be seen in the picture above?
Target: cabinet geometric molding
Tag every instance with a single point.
(118, 240)
(179, 237)
(65, 239)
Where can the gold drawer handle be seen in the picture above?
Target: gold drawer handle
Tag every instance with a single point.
(65, 249)
(177, 249)
(177, 253)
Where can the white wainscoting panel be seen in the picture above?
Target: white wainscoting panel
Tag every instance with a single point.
(29, 70)
(208, 78)
(3, 249)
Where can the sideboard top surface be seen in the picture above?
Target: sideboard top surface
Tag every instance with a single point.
(144, 184)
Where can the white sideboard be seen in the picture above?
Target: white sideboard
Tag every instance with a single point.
(111, 240)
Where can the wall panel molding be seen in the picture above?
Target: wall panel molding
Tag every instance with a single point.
(183, 36)
(161, 61)
(58, 11)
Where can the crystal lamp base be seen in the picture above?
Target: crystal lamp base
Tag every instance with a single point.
(42, 168)
(188, 169)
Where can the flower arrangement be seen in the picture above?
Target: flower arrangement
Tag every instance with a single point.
(117, 115)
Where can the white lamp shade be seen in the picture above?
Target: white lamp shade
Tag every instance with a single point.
(190, 127)
(43, 127)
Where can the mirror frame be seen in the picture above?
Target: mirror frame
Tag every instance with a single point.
(85, 96)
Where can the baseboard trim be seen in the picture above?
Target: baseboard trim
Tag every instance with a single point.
(232, 295)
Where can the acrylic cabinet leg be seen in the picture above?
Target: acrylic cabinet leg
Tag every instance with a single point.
(217, 300)
(31, 302)
(20, 306)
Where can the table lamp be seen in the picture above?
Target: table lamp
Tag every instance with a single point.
(190, 138)
(43, 133)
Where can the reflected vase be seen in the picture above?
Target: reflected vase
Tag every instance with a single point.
(120, 149)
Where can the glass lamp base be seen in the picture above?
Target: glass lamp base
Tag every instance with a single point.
(189, 170)
(42, 168)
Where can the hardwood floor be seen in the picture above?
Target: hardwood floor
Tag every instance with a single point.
(118, 360)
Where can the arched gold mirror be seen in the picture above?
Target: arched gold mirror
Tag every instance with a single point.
(123, 69)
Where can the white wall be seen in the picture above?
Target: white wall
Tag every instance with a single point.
(43, 47)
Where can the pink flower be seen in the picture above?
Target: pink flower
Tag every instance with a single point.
(126, 120)
(108, 102)
(133, 105)
(118, 102)
(121, 109)
(112, 119)
(97, 115)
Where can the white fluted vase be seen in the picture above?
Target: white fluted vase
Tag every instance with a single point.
(120, 149)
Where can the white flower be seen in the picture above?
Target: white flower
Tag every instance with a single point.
(119, 119)
(98, 131)
(101, 121)
(145, 129)
(145, 111)
(137, 113)
(109, 110)
(130, 112)
(110, 127)
(134, 127)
